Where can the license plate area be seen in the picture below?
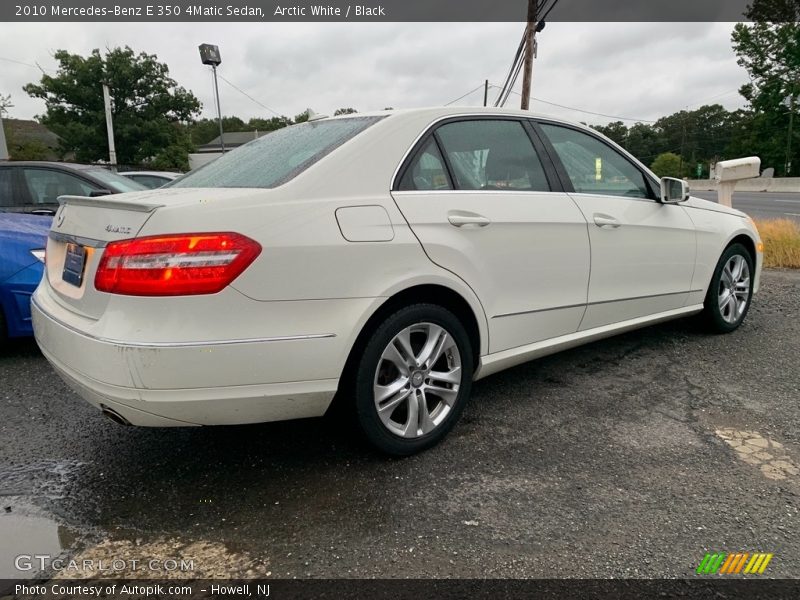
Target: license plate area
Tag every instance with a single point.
(74, 264)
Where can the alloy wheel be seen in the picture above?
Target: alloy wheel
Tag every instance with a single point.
(417, 380)
(734, 289)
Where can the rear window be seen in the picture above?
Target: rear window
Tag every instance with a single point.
(277, 157)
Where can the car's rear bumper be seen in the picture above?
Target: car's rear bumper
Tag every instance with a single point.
(207, 383)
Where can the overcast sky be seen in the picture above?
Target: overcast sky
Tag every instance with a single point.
(634, 70)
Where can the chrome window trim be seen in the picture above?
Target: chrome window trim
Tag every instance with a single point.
(430, 126)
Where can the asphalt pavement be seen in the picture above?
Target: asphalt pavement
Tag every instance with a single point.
(630, 457)
(762, 205)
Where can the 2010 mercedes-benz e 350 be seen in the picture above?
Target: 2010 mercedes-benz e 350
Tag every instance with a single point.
(390, 259)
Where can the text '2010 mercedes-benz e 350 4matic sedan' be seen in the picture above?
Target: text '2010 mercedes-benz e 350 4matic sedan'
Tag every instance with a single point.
(387, 259)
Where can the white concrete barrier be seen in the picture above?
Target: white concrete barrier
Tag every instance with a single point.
(758, 184)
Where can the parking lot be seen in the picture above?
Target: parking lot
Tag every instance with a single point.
(628, 457)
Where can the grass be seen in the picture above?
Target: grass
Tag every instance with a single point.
(781, 239)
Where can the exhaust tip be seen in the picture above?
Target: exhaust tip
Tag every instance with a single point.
(114, 415)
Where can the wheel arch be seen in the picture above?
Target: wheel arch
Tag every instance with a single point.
(745, 240)
(432, 293)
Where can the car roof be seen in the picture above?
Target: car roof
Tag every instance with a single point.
(49, 163)
(454, 111)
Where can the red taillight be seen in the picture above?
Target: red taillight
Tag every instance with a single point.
(174, 265)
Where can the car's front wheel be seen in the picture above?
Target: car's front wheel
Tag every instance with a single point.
(413, 379)
(731, 290)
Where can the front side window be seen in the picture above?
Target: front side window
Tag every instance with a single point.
(45, 185)
(594, 167)
(427, 172)
(277, 157)
(490, 154)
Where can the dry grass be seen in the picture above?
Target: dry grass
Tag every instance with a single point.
(781, 239)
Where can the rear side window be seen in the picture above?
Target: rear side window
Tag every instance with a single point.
(46, 185)
(277, 157)
(427, 172)
(492, 155)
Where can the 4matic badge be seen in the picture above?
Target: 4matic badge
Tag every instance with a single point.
(118, 229)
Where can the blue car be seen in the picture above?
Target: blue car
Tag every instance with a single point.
(22, 240)
(29, 192)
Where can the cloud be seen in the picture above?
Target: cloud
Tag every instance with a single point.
(643, 70)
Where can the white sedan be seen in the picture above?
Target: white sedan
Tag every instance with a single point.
(388, 260)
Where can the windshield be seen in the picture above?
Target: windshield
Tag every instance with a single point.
(116, 183)
(277, 157)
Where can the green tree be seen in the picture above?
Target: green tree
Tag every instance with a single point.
(5, 104)
(147, 104)
(302, 117)
(667, 164)
(259, 124)
(769, 48)
(204, 131)
(28, 150)
(616, 131)
(344, 111)
(643, 142)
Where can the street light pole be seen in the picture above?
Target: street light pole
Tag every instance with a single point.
(219, 110)
(209, 55)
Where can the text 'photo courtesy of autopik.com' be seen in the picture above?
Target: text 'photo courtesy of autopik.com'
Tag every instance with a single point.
(400, 299)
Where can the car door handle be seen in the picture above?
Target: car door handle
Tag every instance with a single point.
(606, 221)
(461, 219)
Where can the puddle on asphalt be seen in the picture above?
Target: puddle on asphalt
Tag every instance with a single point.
(43, 478)
(766, 454)
(23, 537)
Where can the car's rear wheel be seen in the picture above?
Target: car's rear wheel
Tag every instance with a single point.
(728, 299)
(413, 379)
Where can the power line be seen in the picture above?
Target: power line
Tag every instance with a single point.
(241, 91)
(32, 66)
(713, 98)
(514, 65)
(465, 95)
(588, 112)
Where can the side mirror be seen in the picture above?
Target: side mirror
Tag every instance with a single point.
(673, 190)
(100, 192)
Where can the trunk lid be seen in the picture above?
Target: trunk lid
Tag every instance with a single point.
(81, 229)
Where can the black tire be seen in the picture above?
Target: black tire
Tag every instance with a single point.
(715, 318)
(367, 376)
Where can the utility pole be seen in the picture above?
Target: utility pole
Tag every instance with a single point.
(485, 92)
(112, 151)
(530, 38)
(789, 138)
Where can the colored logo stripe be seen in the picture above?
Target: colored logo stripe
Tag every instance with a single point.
(734, 563)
